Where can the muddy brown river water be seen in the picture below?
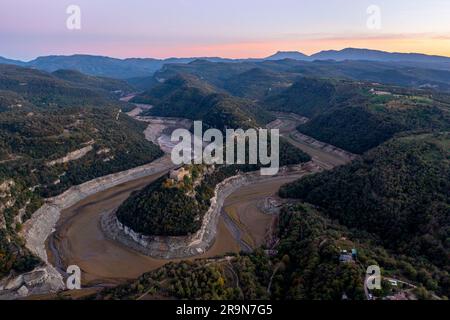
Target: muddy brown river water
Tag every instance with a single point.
(79, 240)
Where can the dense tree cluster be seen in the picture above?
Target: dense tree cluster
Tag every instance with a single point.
(310, 268)
(162, 210)
(399, 192)
(352, 128)
(358, 117)
(187, 96)
(305, 266)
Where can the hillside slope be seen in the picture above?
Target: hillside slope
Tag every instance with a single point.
(55, 134)
(399, 192)
(79, 79)
(189, 97)
(61, 89)
(311, 96)
(359, 116)
(304, 266)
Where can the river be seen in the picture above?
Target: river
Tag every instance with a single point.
(79, 240)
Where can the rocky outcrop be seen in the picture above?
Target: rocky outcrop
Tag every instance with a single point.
(40, 281)
(71, 156)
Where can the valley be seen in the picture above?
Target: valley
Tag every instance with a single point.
(309, 167)
(80, 240)
(87, 180)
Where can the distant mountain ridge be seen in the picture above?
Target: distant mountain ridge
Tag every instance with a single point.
(11, 61)
(143, 67)
(376, 55)
(104, 66)
(359, 54)
(281, 55)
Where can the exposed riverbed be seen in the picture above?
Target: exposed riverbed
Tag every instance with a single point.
(79, 239)
(243, 215)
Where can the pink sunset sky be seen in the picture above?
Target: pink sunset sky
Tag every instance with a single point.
(232, 28)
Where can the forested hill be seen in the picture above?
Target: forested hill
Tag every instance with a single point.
(353, 115)
(54, 134)
(312, 96)
(269, 76)
(168, 207)
(22, 86)
(187, 96)
(79, 79)
(359, 116)
(399, 192)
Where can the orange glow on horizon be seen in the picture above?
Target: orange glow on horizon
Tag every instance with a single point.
(262, 49)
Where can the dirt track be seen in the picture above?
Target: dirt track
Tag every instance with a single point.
(248, 224)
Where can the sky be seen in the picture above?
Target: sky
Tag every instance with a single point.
(231, 28)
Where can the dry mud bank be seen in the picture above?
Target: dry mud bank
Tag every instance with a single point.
(42, 224)
(247, 216)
